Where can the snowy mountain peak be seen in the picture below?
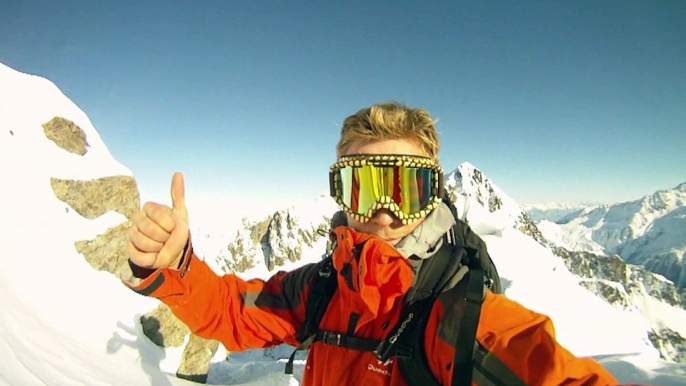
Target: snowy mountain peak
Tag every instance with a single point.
(481, 203)
(666, 200)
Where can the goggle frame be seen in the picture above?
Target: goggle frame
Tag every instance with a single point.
(386, 202)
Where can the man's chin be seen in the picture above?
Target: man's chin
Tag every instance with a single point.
(393, 242)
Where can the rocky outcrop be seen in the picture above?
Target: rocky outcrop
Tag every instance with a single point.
(621, 280)
(166, 330)
(93, 198)
(528, 227)
(670, 344)
(623, 285)
(196, 359)
(285, 239)
(107, 252)
(280, 237)
(163, 328)
(66, 135)
(487, 198)
(244, 247)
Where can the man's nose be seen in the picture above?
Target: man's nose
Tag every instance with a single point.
(383, 218)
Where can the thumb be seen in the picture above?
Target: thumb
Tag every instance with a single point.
(178, 195)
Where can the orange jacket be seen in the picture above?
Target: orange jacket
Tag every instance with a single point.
(516, 346)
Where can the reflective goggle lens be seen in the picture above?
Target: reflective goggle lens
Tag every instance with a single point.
(409, 186)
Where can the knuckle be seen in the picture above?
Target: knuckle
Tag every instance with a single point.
(134, 236)
(134, 253)
(148, 207)
(159, 213)
(143, 227)
(137, 217)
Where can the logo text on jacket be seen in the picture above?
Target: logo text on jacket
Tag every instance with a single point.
(402, 328)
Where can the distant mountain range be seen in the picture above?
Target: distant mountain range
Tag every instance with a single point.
(650, 231)
(554, 211)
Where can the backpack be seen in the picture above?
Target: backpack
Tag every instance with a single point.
(462, 260)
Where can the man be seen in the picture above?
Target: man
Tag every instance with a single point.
(387, 182)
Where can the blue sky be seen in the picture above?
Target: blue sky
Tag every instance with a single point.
(581, 101)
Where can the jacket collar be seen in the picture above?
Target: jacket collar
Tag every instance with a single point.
(372, 275)
(423, 241)
(424, 238)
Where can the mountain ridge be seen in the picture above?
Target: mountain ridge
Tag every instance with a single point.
(649, 231)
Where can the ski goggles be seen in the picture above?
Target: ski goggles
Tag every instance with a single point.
(409, 186)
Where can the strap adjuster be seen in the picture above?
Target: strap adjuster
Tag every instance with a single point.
(332, 338)
(403, 352)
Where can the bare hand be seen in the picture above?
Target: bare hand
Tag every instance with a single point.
(159, 233)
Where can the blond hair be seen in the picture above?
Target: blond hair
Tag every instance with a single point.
(391, 120)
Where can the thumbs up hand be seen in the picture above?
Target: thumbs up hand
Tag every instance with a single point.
(159, 233)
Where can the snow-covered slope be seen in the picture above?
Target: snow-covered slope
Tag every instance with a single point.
(62, 321)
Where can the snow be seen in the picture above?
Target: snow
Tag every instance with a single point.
(585, 324)
(619, 228)
(573, 239)
(66, 324)
(650, 231)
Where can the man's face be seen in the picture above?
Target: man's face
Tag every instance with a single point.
(384, 223)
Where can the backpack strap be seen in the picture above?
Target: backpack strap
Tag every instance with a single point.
(411, 355)
(434, 275)
(410, 352)
(466, 338)
(323, 285)
(415, 368)
(476, 249)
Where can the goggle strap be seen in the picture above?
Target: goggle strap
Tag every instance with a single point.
(332, 184)
(440, 185)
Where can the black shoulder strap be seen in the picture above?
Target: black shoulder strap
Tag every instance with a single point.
(476, 247)
(414, 367)
(466, 337)
(321, 291)
(434, 274)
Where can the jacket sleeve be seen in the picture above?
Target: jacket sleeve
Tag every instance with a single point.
(240, 314)
(517, 346)
(520, 344)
